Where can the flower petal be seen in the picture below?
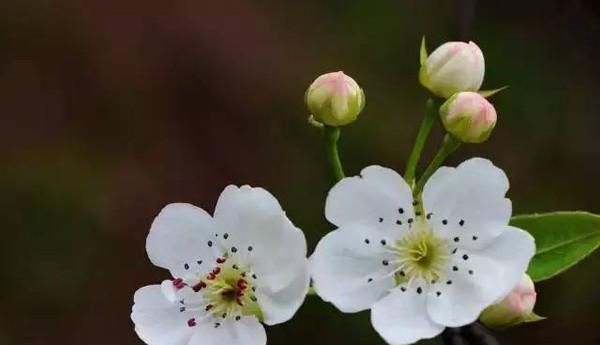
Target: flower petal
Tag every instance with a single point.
(379, 196)
(401, 317)
(257, 232)
(281, 305)
(347, 268)
(482, 277)
(467, 203)
(178, 239)
(157, 320)
(246, 331)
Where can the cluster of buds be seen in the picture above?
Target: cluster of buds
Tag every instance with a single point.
(455, 71)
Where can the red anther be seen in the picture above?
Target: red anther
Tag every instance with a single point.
(201, 285)
(221, 260)
(208, 307)
(216, 270)
(191, 322)
(239, 293)
(178, 283)
(242, 284)
(211, 276)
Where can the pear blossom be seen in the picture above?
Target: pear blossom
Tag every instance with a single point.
(243, 266)
(420, 266)
(469, 117)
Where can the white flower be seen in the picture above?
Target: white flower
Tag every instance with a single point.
(420, 268)
(244, 265)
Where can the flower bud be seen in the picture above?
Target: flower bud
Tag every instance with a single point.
(335, 99)
(469, 117)
(453, 67)
(515, 308)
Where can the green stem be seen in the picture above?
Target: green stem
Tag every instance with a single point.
(331, 135)
(448, 146)
(415, 155)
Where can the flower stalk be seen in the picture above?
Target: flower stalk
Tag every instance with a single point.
(415, 155)
(331, 136)
(449, 145)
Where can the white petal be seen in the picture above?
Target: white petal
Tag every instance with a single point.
(343, 265)
(157, 320)
(280, 306)
(247, 331)
(379, 196)
(483, 277)
(401, 317)
(178, 239)
(260, 235)
(468, 203)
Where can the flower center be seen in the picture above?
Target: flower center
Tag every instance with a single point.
(421, 254)
(229, 290)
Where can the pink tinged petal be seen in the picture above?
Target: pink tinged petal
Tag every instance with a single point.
(401, 317)
(483, 277)
(347, 268)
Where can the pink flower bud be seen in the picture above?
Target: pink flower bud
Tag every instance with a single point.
(453, 67)
(469, 117)
(515, 308)
(335, 99)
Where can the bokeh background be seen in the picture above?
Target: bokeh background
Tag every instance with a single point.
(111, 109)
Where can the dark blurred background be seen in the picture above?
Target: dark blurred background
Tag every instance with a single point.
(111, 109)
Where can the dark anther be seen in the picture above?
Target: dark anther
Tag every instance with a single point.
(471, 272)
(445, 221)
(417, 213)
(449, 282)
(475, 238)
(401, 210)
(454, 268)
(385, 262)
(399, 222)
(380, 220)
(410, 220)
(199, 262)
(419, 290)
(370, 280)
(465, 257)
(415, 203)
(367, 241)
(438, 293)
(233, 249)
(456, 239)
(461, 223)
(383, 242)
(238, 318)
(429, 215)
(403, 289)
(210, 243)
(225, 235)
(250, 248)
(186, 266)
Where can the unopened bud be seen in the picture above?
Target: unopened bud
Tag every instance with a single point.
(469, 117)
(335, 99)
(453, 67)
(515, 308)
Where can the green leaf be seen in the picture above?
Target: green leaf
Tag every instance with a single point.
(423, 52)
(490, 93)
(562, 240)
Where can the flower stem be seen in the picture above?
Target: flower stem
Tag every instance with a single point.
(448, 146)
(331, 135)
(415, 155)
